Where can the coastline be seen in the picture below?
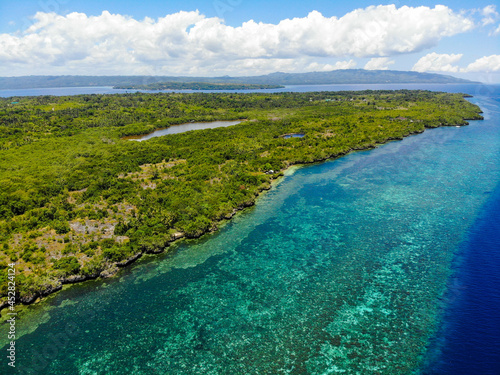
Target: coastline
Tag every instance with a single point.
(113, 268)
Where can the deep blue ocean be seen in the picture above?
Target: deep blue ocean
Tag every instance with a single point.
(384, 261)
(468, 340)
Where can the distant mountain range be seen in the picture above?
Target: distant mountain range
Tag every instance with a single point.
(348, 76)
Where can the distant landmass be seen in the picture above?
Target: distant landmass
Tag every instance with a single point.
(348, 76)
(198, 86)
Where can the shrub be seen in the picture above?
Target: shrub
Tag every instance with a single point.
(68, 265)
(61, 227)
(116, 253)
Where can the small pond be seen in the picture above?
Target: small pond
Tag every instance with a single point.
(294, 135)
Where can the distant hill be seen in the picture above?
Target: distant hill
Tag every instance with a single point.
(353, 76)
(313, 78)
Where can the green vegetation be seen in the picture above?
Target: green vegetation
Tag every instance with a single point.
(197, 86)
(77, 200)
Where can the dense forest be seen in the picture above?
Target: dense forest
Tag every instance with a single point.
(77, 201)
(343, 76)
(197, 86)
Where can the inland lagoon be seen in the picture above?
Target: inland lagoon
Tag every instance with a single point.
(181, 128)
(345, 266)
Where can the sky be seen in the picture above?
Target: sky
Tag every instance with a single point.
(248, 37)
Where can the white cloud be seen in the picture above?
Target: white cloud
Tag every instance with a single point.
(188, 42)
(496, 31)
(344, 65)
(485, 64)
(489, 15)
(434, 62)
(379, 63)
(315, 67)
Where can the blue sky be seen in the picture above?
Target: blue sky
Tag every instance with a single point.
(216, 37)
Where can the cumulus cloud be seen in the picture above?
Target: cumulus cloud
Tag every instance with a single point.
(379, 63)
(187, 42)
(485, 64)
(348, 64)
(344, 65)
(434, 62)
(489, 14)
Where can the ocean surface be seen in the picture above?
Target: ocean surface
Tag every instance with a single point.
(61, 91)
(384, 261)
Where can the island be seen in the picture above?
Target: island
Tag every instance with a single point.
(79, 202)
(198, 86)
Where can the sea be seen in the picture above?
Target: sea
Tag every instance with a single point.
(385, 261)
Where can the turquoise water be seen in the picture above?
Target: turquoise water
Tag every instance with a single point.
(338, 269)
